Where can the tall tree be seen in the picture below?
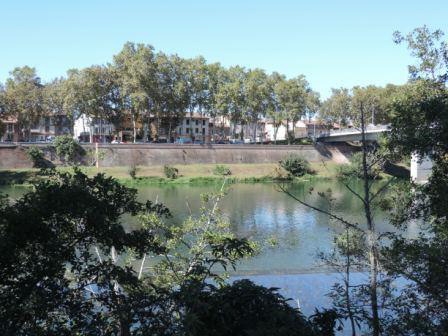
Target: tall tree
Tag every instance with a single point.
(56, 104)
(135, 69)
(217, 76)
(337, 107)
(420, 126)
(256, 91)
(94, 91)
(276, 113)
(2, 109)
(24, 98)
(196, 79)
(430, 50)
(172, 94)
(292, 96)
(231, 99)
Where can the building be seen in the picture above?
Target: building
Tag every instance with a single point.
(11, 131)
(88, 129)
(279, 132)
(220, 129)
(43, 129)
(49, 127)
(195, 127)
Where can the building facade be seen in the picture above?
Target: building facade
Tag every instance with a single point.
(11, 131)
(87, 129)
(195, 127)
(49, 127)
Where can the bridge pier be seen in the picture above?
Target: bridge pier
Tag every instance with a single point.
(420, 168)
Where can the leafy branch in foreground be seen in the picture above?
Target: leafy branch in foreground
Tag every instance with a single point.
(64, 260)
(201, 247)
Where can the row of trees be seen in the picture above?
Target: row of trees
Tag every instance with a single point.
(343, 106)
(142, 84)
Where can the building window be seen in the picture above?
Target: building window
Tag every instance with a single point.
(203, 122)
(180, 130)
(10, 128)
(187, 121)
(197, 130)
(188, 130)
(197, 122)
(203, 131)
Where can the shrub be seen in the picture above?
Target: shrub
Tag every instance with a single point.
(68, 149)
(170, 172)
(354, 168)
(222, 170)
(132, 171)
(37, 157)
(295, 165)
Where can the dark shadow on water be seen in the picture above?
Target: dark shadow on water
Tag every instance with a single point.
(396, 170)
(14, 177)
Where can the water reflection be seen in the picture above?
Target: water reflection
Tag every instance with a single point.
(261, 212)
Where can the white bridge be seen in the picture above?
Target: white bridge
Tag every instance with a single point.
(371, 133)
(420, 167)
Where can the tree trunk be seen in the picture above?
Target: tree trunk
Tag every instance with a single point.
(255, 132)
(371, 234)
(294, 129)
(169, 132)
(134, 128)
(124, 328)
(347, 285)
(287, 131)
(275, 131)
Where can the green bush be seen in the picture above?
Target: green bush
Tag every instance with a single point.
(222, 170)
(37, 157)
(132, 171)
(170, 172)
(68, 150)
(354, 168)
(295, 165)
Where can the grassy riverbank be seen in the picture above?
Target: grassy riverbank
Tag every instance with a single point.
(196, 173)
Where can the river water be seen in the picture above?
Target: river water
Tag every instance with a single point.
(262, 213)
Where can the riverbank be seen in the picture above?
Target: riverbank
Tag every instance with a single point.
(188, 174)
(14, 156)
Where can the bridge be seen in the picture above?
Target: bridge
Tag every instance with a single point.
(372, 133)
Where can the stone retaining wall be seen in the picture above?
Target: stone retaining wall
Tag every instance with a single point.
(14, 156)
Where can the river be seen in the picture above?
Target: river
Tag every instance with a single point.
(261, 212)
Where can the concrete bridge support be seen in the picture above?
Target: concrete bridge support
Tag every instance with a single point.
(420, 168)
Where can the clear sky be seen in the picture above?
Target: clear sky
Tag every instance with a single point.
(333, 43)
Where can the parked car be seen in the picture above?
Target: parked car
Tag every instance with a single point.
(115, 141)
(184, 141)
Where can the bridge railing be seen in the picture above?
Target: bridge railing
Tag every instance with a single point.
(347, 131)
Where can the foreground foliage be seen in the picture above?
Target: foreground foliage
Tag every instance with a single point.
(68, 267)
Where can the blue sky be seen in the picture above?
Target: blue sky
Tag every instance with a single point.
(333, 43)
